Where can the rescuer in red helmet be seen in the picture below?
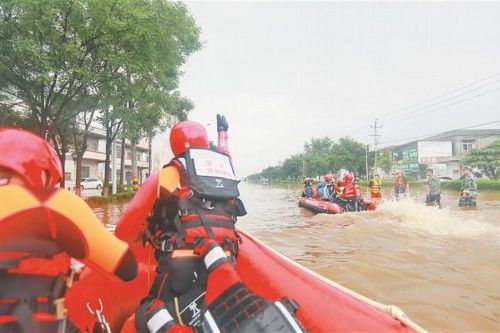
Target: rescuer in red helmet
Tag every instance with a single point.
(27, 159)
(192, 229)
(41, 227)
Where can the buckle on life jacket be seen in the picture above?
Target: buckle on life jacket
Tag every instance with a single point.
(60, 309)
(184, 212)
(207, 204)
(167, 245)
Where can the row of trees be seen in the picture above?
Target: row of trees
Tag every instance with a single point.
(486, 159)
(323, 155)
(66, 64)
(320, 156)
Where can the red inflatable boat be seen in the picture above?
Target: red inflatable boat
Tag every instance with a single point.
(321, 206)
(324, 306)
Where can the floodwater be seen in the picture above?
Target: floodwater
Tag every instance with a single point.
(441, 266)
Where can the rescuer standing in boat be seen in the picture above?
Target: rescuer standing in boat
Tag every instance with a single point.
(434, 195)
(41, 228)
(192, 229)
(468, 194)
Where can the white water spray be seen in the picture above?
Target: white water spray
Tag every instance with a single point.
(445, 222)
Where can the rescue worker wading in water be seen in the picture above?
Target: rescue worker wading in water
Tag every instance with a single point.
(41, 228)
(192, 227)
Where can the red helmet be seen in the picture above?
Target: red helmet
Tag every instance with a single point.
(187, 134)
(341, 182)
(328, 178)
(29, 156)
(348, 178)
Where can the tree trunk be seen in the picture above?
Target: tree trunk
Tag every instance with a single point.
(107, 166)
(133, 148)
(64, 150)
(122, 162)
(150, 145)
(61, 150)
(78, 174)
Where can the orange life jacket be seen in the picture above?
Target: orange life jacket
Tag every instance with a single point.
(40, 229)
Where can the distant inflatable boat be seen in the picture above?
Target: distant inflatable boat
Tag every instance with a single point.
(320, 206)
(327, 207)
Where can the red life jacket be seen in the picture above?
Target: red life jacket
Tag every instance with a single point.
(208, 204)
(351, 190)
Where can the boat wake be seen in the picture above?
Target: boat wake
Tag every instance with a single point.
(442, 222)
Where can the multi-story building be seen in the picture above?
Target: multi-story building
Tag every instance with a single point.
(95, 156)
(441, 152)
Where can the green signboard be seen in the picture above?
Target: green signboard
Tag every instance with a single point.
(407, 158)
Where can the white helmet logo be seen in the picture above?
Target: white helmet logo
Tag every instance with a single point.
(218, 183)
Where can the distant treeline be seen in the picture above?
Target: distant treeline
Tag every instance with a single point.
(320, 156)
(324, 155)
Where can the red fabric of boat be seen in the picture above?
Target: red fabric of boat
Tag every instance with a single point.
(323, 308)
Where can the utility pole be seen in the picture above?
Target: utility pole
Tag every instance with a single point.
(366, 160)
(375, 141)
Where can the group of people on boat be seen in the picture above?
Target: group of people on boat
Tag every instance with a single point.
(329, 190)
(191, 226)
(344, 191)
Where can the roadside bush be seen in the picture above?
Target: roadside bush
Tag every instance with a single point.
(488, 184)
(390, 183)
(453, 185)
(111, 198)
(119, 188)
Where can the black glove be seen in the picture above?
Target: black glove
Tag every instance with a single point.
(221, 123)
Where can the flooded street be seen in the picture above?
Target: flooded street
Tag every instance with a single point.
(441, 266)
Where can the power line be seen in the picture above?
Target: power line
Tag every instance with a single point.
(442, 101)
(444, 94)
(443, 107)
(394, 119)
(435, 133)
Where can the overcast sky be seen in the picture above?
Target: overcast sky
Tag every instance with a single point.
(284, 72)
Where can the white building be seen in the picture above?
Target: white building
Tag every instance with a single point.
(441, 152)
(95, 156)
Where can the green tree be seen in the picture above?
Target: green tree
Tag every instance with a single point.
(272, 173)
(318, 157)
(129, 53)
(486, 159)
(350, 155)
(385, 160)
(292, 167)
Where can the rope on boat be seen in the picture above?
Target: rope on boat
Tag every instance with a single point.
(394, 311)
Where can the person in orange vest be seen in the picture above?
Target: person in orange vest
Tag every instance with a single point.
(401, 187)
(375, 186)
(41, 228)
(192, 227)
